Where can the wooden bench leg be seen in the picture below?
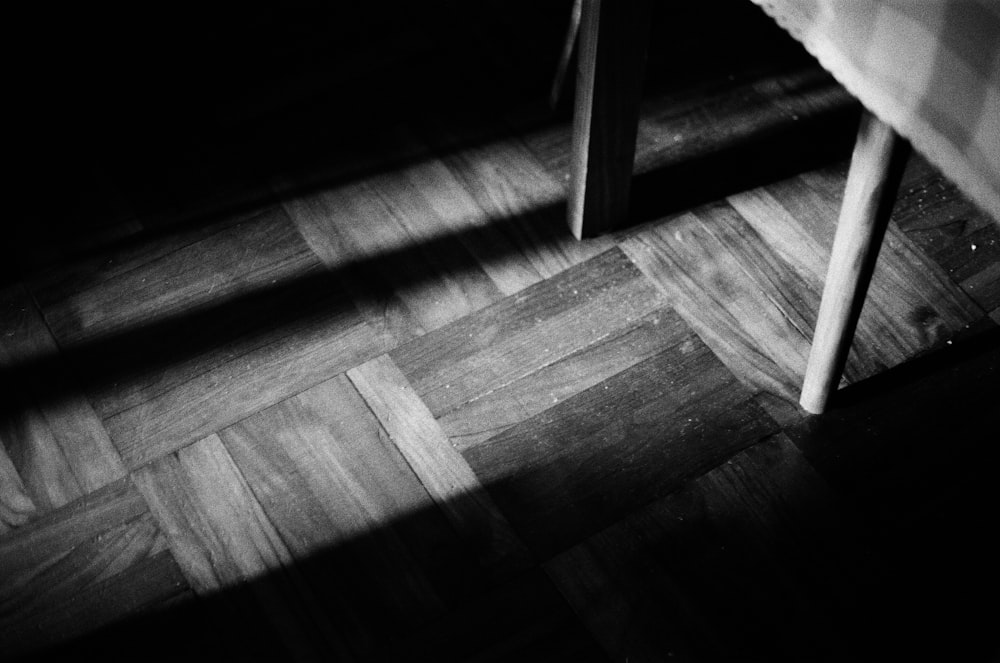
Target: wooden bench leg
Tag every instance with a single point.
(610, 67)
(876, 168)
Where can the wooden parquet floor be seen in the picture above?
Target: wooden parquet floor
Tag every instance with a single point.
(329, 401)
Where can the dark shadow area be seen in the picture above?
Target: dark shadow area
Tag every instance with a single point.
(253, 317)
(144, 120)
(775, 153)
(909, 571)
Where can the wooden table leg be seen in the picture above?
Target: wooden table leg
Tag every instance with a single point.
(872, 182)
(611, 59)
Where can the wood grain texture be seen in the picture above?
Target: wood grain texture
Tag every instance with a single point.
(234, 260)
(934, 307)
(490, 414)
(441, 469)
(365, 533)
(951, 230)
(322, 343)
(744, 302)
(583, 463)
(381, 228)
(611, 63)
(359, 501)
(513, 206)
(93, 562)
(742, 563)
(749, 281)
(53, 448)
(221, 537)
(234, 312)
(525, 332)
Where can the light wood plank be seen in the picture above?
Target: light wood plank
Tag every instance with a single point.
(388, 223)
(440, 468)
(367, 535)
(513, 206)
(314, 348)
(221, 537)
(51, 436)
(525, 332)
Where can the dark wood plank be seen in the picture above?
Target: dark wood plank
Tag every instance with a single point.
(611, 58)
(745, 562)
(53, 448)
(951, 230)
(525, 332)
(478, 420)
(98, 560)
(582, 464)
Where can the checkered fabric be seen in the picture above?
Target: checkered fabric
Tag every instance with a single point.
(928, 68)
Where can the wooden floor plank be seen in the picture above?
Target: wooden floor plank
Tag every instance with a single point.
(951, 230)
(97, 560)
(222, 538)
(50, 435)
(443, 472)
(515, 207)
(366, 535)
(323, 343)
(525, 332)
(909, 294)
(323, 220)
(589, 460)
(752, 310)
(749, 282)
(492, 413)
(386, 222)
(904, 271)
(236, 259)
(740, 564)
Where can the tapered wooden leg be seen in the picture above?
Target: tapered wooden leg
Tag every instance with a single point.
(876, 167)
(610, 67)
